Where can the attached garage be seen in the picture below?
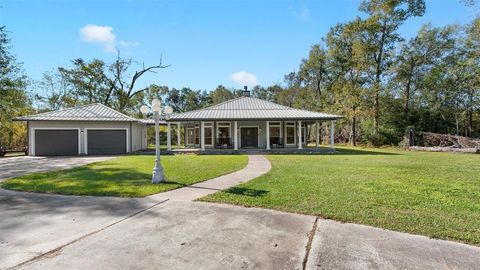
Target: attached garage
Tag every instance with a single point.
(106, 141)
(93, 129)
(56, 142)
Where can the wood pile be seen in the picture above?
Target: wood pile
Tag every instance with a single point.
(446, 149)
(446, 140)
(436, 142)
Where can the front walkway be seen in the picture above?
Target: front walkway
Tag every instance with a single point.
(257, 165)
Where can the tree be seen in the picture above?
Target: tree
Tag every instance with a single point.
(348, 94)
(379, 37)
(220, 94)
(416, 57)
(313, 70)
(14, 100)
(95, 81)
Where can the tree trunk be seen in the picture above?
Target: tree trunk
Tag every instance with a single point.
(406, 106)
(353, 133)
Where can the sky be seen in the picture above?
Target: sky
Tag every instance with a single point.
(206, 43)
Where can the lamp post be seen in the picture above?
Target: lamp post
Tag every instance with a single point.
(158, 175)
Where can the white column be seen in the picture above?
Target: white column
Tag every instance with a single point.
(332, 137)
(202, 136)
(169, 137)
(178, 135)
(268, 135)
(317, 138)
(300, 135)
(235, 136)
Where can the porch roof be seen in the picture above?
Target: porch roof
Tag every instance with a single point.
(250, 108)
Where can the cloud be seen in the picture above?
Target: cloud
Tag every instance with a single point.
(104, 36)
(304, 14)
(244, 78)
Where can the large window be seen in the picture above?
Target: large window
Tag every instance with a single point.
(208, 133)
(223, 133)
(290, 132)
(191, 136)
(275, 134)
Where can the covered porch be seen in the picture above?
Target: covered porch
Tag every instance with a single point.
(250, 136)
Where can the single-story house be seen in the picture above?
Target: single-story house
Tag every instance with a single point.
(241, 123)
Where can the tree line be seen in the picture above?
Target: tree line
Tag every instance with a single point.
(363, 69)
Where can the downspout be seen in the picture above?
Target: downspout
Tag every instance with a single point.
(130, 135)
(28, 138)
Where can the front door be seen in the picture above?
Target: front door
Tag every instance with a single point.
(249, 137)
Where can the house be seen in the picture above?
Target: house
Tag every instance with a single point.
(248, 122)
(241, 123)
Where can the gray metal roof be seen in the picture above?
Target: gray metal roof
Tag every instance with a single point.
(249, 108)
(91, 112)
(150, 121)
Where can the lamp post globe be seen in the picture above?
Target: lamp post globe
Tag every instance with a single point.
(144, 110)
(158, 175)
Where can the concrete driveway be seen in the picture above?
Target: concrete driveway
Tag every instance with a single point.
(68, 232)
(16, 166)
(169, 231)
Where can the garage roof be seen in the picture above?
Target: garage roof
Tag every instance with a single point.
(91, 112)
(250, 108)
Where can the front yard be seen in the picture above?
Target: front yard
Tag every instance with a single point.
(128, 176)
(434, 194)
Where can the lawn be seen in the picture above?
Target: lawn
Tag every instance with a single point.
(433, 194)
(128, 176)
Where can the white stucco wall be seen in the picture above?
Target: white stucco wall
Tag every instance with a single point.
(134, 132)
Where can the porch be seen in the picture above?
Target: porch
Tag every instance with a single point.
(252, 151)
(224, 137)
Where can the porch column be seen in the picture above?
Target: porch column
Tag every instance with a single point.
(300, 135)
(317, 135)
(178, 134)
(169, 137)
(332, 137)
(202, 136)
(268, 135)
(235, 136)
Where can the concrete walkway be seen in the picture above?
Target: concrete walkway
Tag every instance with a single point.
(257, 165)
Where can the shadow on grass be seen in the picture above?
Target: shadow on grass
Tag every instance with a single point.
(346, 152)
(246, 191)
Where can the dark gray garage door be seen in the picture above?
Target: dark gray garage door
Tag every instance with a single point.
(106, 142)
(54, 142)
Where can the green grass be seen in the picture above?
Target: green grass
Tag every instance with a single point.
(128, 176)
(433, 194)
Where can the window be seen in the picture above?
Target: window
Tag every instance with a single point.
(197, 135)
(290, 133)
(304, 133)
(223, 133)
(275, 133)
(208, 128)
(191, 136)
